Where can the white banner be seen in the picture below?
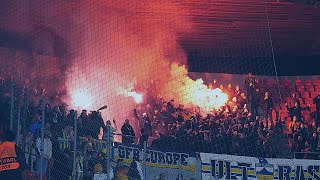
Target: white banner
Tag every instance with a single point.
(161, 165)
(216, 166)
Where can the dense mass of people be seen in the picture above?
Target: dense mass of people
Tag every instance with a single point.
(247, 125)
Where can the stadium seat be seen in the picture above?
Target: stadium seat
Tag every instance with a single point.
(287, 81)
(301, 101)
(309, 87)
(305, 94)
(299, 86)
(309, 101)
(314, 94)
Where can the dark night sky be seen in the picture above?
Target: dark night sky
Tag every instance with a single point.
(239, 41)
(222, 36)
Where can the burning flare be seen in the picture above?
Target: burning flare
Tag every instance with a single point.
(137, 97)
(129, 93)
(191, 92)
(81, 99)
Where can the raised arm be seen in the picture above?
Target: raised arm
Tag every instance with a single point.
(115, 125)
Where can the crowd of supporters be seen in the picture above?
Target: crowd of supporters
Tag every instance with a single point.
(248, 125)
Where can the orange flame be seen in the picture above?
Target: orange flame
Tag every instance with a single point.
(191, 92)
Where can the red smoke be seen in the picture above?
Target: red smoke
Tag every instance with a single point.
(124, 45)
(100, 51)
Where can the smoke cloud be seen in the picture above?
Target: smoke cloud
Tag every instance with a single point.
(123, 45)
(90, 49)
(94, 53)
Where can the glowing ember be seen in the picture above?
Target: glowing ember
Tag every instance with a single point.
(81, 99)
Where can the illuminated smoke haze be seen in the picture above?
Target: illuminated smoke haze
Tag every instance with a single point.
(106, 48)
(124, 46)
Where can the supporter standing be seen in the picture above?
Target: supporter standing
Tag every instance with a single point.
(250, 84)
(84, 121)
(144, 137)
(296, 111)
(237, 91)
(147, 124)
(292, 103)
(230, 91)
(128, 134)
(293, 100)
(316, 116)
(47, 153)
(316, 101)
(255, 102)
(267, 106)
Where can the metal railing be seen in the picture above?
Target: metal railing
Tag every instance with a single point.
(307, 155)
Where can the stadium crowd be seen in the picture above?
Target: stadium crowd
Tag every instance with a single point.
(247, 125)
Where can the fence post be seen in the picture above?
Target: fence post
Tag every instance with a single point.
(144, 160)
(24, 117)
(74, 177)
(197, 172)
(108, 152)
(12, 106)
(42, 137)
(18, 128)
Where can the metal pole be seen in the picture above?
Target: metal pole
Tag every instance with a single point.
(108, 151)
(18, 128)
(74, 177)
(24, 117)
(42, 137)
(144, 160)
(12, 106)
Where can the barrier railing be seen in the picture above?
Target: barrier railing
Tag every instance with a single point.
(307, 155)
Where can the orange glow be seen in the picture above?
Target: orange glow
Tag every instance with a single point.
(193, 93)
(208, 99)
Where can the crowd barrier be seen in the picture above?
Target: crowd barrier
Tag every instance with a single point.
(217, 166)
(160, 165)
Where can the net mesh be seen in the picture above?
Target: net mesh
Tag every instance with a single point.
(140, 68)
